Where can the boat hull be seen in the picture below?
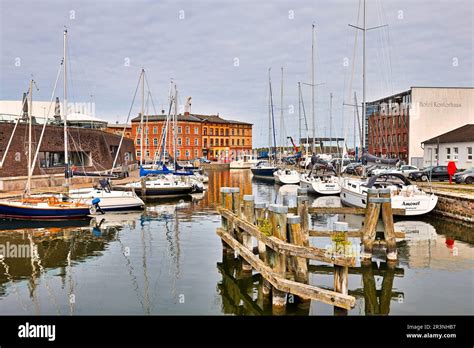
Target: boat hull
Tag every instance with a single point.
(286, 179)
(110, 201)
(321, 188)
(263, 173)
(23, 212)
(164, 192)
(412, 205)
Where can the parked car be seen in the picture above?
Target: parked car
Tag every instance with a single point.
(434, 173)
(406, 169)
(466, 176)
(380, 170)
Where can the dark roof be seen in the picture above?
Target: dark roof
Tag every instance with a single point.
(192, 118)
(218, 119)
(163, 118)
(458, 135)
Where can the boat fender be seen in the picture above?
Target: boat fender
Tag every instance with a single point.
(95, 206)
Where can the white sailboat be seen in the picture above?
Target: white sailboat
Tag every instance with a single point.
(404, 195)
(106, 198)
(160, 183)
(325, 183)
(286, 176)
(244, 162)
(264, 169)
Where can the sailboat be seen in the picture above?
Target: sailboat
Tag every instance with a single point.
(103, 195)
(265, 169)
(41, 207)
(322, 181)
(404, 194)
(162, 182)
(284, 176)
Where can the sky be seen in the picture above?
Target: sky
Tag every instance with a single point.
(220, 52)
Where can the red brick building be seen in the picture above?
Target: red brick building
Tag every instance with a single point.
(208, 136)
(387, 123)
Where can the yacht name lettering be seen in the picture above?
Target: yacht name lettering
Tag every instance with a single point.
(411, 204)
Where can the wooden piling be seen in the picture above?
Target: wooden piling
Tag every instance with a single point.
(370, 223)
(278, 221)
(143, 187)
(227, 251)
(265, 286)
(248, 215)
(299, 263)
(389, 229)
(341, 273)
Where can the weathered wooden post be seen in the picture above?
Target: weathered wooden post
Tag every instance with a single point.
(236, 209)
(389, 229)
(302, 212)
(278, 221)
(341, 273)
(227, 251)
(370, 290)
(300, 264)
(387, 288)
(265, 286)
(248, 215)
(143, 187)
(372, 212)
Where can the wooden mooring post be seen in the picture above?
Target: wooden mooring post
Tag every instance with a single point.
(278, 221)
(341, 273)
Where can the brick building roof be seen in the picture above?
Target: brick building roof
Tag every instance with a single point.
(192, 118)
(458, 135)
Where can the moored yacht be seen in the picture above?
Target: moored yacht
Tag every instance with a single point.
(286, 176)
(264, 170)
(244, 162)
(168, 185)
(324, 182)
(404, 194)
(110, 200)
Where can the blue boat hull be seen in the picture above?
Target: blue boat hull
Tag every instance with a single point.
(31, 213)
(263, 173)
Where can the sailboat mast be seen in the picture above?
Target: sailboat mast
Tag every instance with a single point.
(175, 118)
(142, 130)
(363, 79)
(30, 112)
(269, 117)
(330, 123)
(355, 114)
(66, 141)
(299, 114)
(312, 90)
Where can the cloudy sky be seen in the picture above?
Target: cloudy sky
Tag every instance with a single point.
(219, 53)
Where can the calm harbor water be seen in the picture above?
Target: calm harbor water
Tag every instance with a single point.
(168, 260)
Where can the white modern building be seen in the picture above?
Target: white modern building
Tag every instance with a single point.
(397, 125)
(435, 111)
(456, 145)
